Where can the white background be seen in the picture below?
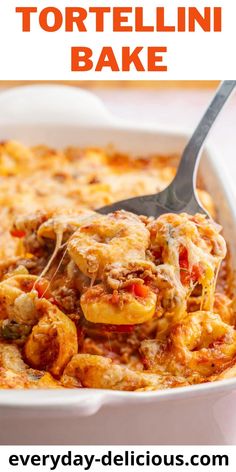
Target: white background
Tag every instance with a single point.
(40, 55)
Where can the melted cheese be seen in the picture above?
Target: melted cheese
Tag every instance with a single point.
(154, 279)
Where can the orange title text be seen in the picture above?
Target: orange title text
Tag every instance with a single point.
(120, 20)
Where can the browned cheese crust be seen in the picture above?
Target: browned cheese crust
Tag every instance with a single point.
(121, 301)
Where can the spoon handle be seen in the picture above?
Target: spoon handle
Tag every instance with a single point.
(184, 182)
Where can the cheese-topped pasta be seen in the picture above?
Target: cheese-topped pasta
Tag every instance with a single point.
(114, 301)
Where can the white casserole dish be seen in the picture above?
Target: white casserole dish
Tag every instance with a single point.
(203, 414)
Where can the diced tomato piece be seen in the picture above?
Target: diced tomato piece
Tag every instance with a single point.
(42, 287)
(183, 258)
(183, 264)
(185, 275)
(17, 233)
(196, 273)
(140, 290)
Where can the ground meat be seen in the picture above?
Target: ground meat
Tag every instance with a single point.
(31, 265)
(117, 277)
(67, 299)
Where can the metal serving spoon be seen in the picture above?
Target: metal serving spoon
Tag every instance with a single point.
(180, 195)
